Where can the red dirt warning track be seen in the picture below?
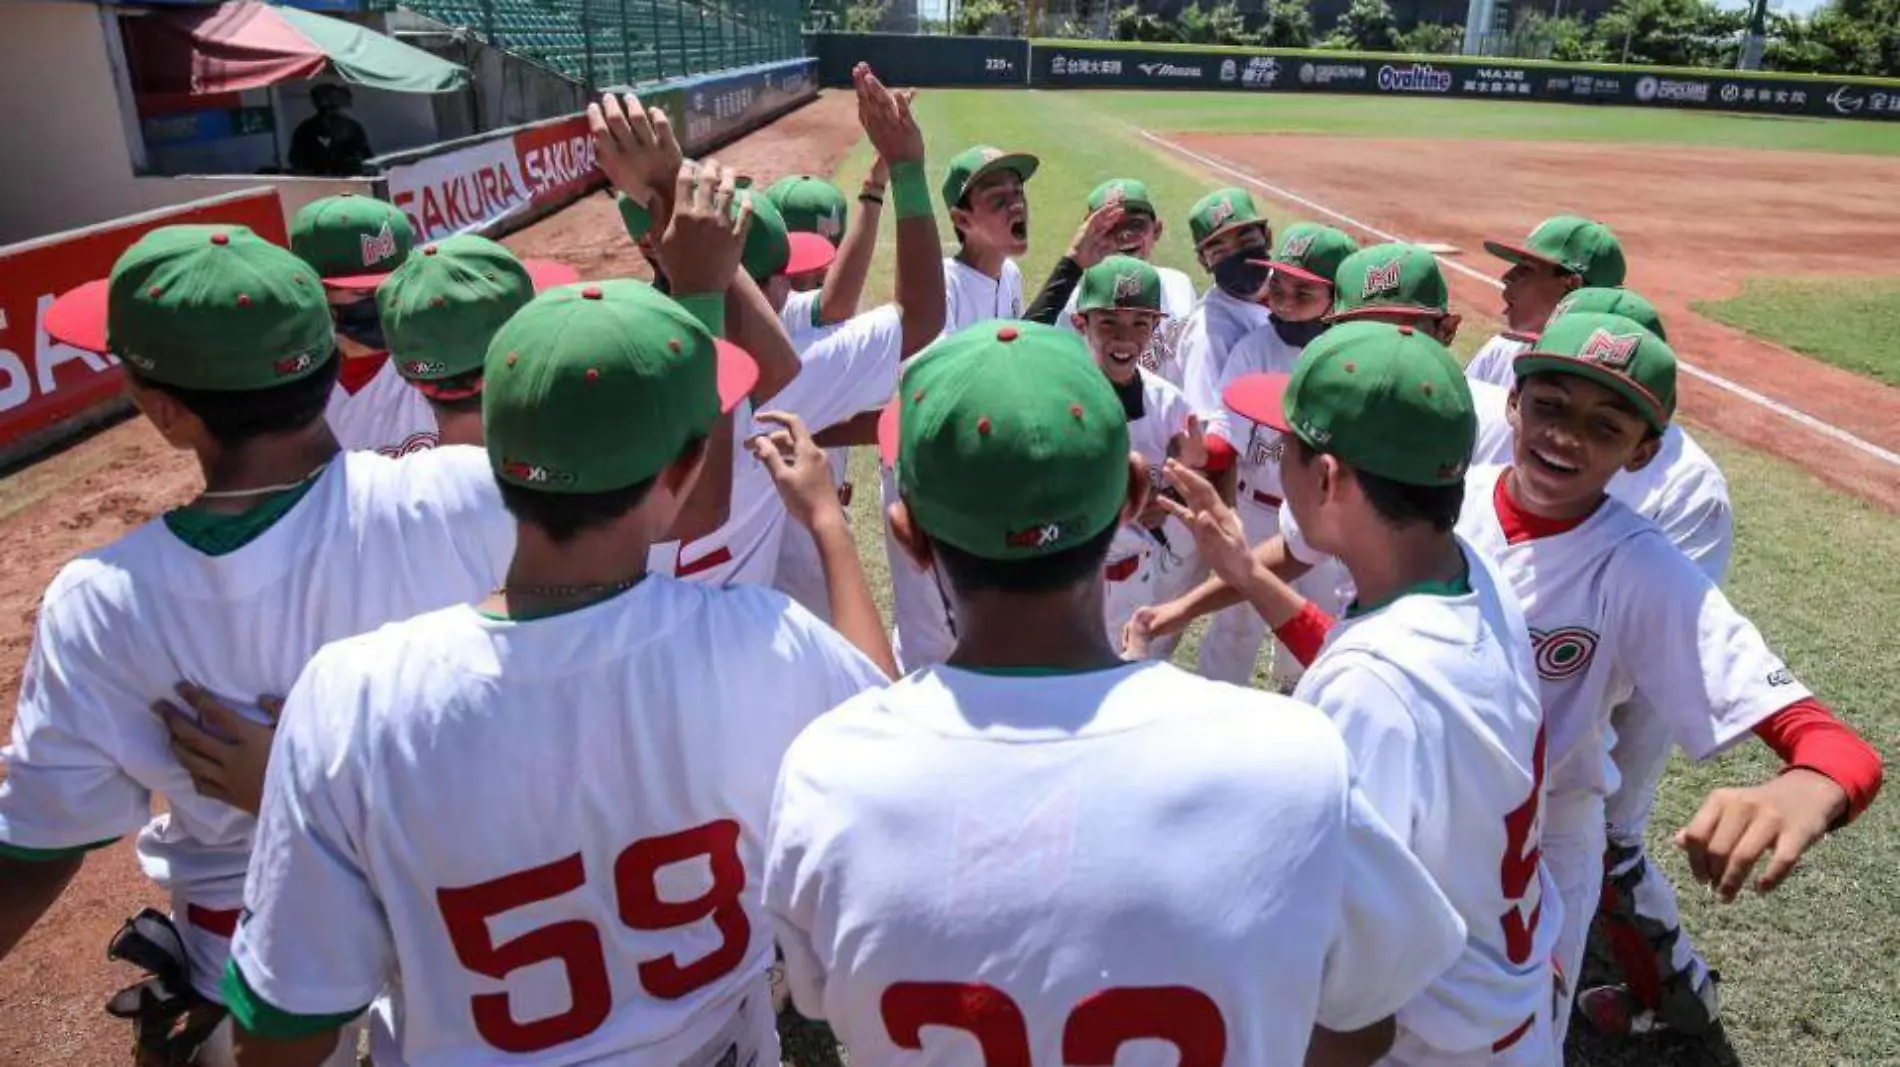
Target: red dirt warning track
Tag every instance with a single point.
(1695, 223)
(53, 985)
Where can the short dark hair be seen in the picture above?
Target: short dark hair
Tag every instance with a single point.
(563, 516)
(235, 417)
(1399, 503)
(1043, 574)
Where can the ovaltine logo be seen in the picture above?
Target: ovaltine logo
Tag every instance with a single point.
(1610, 350)
(379, 247)
(1036, 536)
(533, 473)
(1297, 246)
(1382, 279)
(296, 364)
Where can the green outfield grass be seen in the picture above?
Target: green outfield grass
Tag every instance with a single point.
(1811, 972)
(1853, 323)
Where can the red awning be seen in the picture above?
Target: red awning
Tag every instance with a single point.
(222, 49)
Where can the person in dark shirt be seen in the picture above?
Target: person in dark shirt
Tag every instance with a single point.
(329, 143)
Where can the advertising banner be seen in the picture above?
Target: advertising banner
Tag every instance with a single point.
(43, 383)
(923, 61)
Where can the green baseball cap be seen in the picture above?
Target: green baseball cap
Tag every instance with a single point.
(772, 248)
(1009, 442)
(1625, 302)
(810, 205)
(1616, 353)
(1220, 211)
(1119, 282)
(592, 388)
(1130, 193)
(1389, 278)
(973, 164)
(442, 308)
(203, 307)
(1385, 399)
(1311, 252)
(1582, 247)
(353, 241)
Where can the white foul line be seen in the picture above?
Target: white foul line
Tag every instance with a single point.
(1824, 429)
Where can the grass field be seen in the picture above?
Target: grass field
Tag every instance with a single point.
(1811, 973)
(1853, 323)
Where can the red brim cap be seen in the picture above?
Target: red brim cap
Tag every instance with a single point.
(887, 434)
(78, 318)
(738, 373)
(1291, 269)
(357, 283)
(437, 391)
(810, 252)
(1259, 397)
(547, 274)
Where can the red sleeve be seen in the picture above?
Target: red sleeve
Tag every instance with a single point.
(1806, 735)
(1304, 633)
(1220, 454)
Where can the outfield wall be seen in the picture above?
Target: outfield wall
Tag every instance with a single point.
(1067, 64)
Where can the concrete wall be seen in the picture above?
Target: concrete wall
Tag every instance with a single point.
(505, 90)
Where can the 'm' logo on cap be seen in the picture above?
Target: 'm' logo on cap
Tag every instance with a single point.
(296, 364)
(1297, 246)
(534, 473)
(831, 223)
(991, 155)
(379, 247)
(1116, 194)
(1382, 279)
(1036, 536)
(1610, 350)
(1222, 210)
(1127, 286)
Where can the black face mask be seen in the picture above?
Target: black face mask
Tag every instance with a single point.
(360, 322)
(1239, 278)
(1299, 334)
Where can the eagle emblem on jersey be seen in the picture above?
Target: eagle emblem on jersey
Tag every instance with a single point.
(1296, 247)
(1610, 350)
(1040, 536)
(1382, 279)
(379, 246)
(1563, 653)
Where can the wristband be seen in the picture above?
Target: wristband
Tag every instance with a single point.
(910, 190)
(867, 198)
(636, 218)
(708, 308)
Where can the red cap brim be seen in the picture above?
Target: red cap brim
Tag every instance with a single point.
(810, 252)
(1288, 268)
(78, 318)
(738, 373)
(887, 433)
(1259, 397)
(437, 391)
(547, 274)
(357, 283)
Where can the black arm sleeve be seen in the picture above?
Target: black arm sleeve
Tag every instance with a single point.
(1055, 292)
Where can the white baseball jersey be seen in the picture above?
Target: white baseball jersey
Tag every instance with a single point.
(799, 316)
(1492, 363)
(1177, 303)
(1218, 323)
(381, 412)
(971, 296)
(594, 890)
(970, 869)
(1436, 696)
(1133, 564)
(373, 540)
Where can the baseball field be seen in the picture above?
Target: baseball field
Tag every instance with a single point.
(1764, 242)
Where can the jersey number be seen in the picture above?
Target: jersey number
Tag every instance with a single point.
(576, 943)
(1522, 850)
(1185, 1018)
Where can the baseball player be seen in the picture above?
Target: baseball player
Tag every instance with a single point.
(1300, 296)
(1561, 255)
(538, 822)
(950, 880)
(1429, 675)
(1119, 305)
(1231, 240)
(353, 243)
(440, 309)
(228, 348)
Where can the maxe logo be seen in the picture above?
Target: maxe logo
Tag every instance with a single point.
(1040, 536)
(1563, 653)
(1382, 279)
(378, 246)
(1414, 78)
(1609, 349)
(534, 473)
(1846, 100)
(419, 368)
(1168, 70)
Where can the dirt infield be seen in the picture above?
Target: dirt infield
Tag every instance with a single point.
(1695, 223)
(53, 984)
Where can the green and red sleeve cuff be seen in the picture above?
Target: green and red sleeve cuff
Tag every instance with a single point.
(259, 1017)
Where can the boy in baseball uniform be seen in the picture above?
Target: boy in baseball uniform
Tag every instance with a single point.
(1231, 240)
(538, 822)
(228, 349)
(820, 300)
(354, 243)
(1561, 255)
(1428, 674)
(440, 309)
(951, 874)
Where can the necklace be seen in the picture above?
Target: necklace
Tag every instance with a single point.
(567, 592)
(264, 490)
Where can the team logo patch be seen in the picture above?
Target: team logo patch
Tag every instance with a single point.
(296, 364)
(991, 155)
(1035, 536)
(1222, 210)
(534, 473)
(378, 247)
(418, 368)
(1780, 677)
(1563, 653)
(831, 223)
(1127, 287)
(1382, 279)
(1265, 446)
(1115, 195)
(1296, 247)
(1314, 432)
(1610, 350)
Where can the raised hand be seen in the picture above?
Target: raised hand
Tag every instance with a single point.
(1095, 240)
(705, 237)
(635, 147)
(1215, 526)
(1190, 445)
(887, 119)
(800, 470)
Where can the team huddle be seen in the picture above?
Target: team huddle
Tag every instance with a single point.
(516, 694)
